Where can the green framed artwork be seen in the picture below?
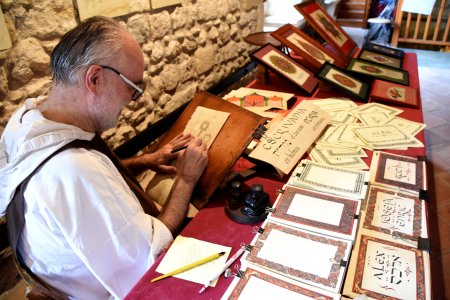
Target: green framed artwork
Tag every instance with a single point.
(343, 81)
(373, 70)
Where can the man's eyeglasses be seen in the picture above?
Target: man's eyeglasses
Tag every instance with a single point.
(138, 91)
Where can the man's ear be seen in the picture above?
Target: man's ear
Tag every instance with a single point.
(92, 78)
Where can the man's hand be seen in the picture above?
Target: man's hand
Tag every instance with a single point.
(160, 160)
(193, 161)
(191, 164)
(164, 156)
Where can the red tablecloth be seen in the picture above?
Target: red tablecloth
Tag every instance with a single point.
(211, 223)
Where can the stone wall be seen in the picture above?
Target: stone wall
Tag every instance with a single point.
(188, 47)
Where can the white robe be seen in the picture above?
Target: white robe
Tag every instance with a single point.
(85, 232)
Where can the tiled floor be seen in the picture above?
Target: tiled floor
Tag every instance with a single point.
(435, 92)
(434, 77)
(434, 73)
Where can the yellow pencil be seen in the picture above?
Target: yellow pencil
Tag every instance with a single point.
(190, 266)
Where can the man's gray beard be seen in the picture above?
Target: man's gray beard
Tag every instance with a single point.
(106, 114)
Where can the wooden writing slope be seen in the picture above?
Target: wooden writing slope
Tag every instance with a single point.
(231, 141)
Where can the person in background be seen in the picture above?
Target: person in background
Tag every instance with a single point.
(86, 233)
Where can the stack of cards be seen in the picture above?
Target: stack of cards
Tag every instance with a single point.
(382, 128)
(338, 146)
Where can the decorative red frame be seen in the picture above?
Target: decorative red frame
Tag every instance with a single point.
(309, 85)
(388, 92)
(328, 28)
(311, 61)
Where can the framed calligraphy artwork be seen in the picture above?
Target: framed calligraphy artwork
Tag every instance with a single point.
(380, 58)
(313, 54)
(388, 92)
(343, 81)
(299, 208)
(285, 66)
(403, 173)
(327, 27)
(400, 215)
(257, 283)
(308, 257)
(373, 70)
(329, 179)
(384, 269)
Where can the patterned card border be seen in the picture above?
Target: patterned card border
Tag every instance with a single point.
(382, 166)
(347, 218)
(361, 262)
(357, 189)
(417, 221)
(275, 281)
(332, 279)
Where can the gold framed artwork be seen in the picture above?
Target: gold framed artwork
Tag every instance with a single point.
(285, 66)
(313, 53)
(326, 26)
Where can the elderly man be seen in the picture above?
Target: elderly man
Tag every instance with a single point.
(86, 234)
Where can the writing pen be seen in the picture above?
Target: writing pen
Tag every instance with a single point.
(190, 266)
(227, 264)
(178, 149)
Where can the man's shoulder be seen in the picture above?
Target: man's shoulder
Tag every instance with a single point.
(79, 161)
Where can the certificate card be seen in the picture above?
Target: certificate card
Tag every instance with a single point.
(313, 53)
(388, 92)
(328, 179)
(317, 212)
(286, 67)
(407, 126)
(386, 137)
(343, 81)
(327, 27)
(375, 108)
(399, 172)
(374, 70)
(308, 257)
(383, 269)
(351, 162)
(398, 214)
(256, 283)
